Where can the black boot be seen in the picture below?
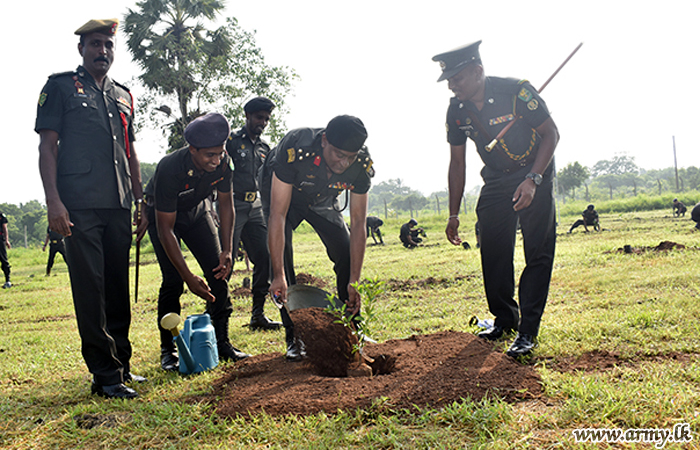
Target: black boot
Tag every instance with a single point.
(258, 321)
(227, 352)
(295, 347)
(168, 358)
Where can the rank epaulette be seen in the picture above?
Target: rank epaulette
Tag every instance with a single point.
(121, 86)
(61, 74)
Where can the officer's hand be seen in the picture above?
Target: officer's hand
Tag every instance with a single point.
(199, 287)
(59, 220)
(225, 265)
(278, 289)
(354, 301)
(452, 231)
(524, 194)
(141, 226)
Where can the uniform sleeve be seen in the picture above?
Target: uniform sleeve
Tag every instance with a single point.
(49, 111)
(226, 184)
(165, 190)
(530, 106)
(455, 136)
(283, 164)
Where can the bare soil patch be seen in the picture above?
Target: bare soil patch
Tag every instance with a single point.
(428, 371)
(601, 361)
(662, 247)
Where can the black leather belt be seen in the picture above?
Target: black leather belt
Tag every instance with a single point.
(249, 197)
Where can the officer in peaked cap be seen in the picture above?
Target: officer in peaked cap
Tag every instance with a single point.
(308, 170)
(248, 152)
(179, 210)
(91, 177)
(517, 188)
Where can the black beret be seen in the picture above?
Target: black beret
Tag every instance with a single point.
(104, 26)
(454, 61)
(209, 130)
(259, 104)
(347, 133)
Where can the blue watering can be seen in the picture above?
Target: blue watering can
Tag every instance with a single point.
(196, 344)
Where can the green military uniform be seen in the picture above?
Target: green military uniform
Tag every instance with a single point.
(95, 128)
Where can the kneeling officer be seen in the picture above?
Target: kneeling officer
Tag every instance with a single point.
(178, 210)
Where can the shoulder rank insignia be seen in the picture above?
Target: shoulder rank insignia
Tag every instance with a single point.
(290, 155)
(532, 104)
(525, 95)
(42, 98)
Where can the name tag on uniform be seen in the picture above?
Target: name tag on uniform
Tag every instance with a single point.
(186, 192)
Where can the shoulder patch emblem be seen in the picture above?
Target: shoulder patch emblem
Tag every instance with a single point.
(525, 95)
(124, 102)
(532, 105)
(290, 155)
(42, 98)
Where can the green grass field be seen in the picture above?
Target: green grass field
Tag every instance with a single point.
(643, 308)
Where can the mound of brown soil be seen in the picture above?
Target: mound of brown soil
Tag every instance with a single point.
(429, 371)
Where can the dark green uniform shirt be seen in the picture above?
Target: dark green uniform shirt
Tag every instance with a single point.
(504, 100)
(247, 157)
(176, 185)
(95, 128)
(299, 161)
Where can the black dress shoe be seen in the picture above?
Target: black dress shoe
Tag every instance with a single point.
(295, 350)
(114, 391)
(263, 323)
(522, 345)
(129, 377)
(228, 352)
(169, 360)
(494, 333)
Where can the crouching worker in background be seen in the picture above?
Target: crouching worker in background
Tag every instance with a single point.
(178, 210)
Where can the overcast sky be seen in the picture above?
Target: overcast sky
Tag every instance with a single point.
(630, 88)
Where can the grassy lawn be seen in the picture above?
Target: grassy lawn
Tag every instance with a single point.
(639, 310)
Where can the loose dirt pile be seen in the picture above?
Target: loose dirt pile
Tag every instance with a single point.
(427, 371)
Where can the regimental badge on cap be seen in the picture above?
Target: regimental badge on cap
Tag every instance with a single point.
(104, 26)
(454, 61)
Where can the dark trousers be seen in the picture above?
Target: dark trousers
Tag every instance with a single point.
(498, 223)
(251, 229)
(59, 247)
(4, 262)
(335, 236)
(98, 263)
(202, 238)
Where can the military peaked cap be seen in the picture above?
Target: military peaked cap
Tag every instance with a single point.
(104, 26)
(454, 61)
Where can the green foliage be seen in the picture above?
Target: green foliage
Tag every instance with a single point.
(571, 177)
(189, 70)
(29, 217)
(360, 325)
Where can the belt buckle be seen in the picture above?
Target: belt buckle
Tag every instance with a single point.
(251, 196)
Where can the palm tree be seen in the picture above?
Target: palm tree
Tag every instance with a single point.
(169, 42)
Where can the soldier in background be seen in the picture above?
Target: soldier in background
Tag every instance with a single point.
(679, 209)
(248, 152)
(589, 218)
(4, 246)
(695, 215)
(56, 245)
(373, 224)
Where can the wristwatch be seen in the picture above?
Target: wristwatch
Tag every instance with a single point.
(536, 177)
